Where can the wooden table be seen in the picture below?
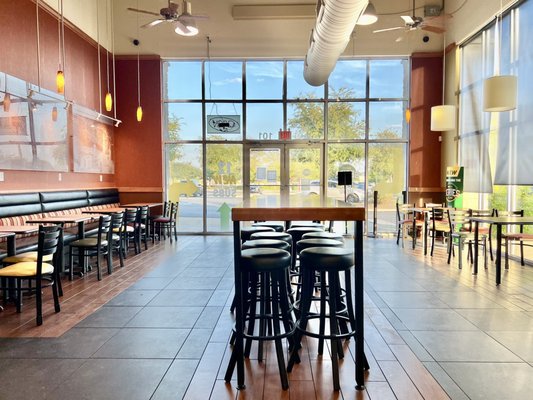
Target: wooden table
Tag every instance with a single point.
(356, 214)
(110, 210)
(15, 230)
(498, 222)
(149, 205)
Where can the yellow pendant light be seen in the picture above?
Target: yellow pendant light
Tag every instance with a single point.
(139, 108)
(408, 115)
(7, 102)
(139, 114)
(60, 81)
(108, 101)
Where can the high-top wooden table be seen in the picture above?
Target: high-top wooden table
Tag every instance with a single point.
(356, 214)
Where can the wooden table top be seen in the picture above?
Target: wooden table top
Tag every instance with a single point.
(299, 214)
(110, 210)
(504, 220)
(149, 205)
(62, 218)
(18, 228)
(6, 234)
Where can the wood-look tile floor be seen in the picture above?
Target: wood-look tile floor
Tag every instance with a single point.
(159, 329)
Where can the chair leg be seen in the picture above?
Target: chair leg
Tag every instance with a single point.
(460, 253)
(55, 293)
(70, 264)
(39, 301)
(98, 270)
(506, 253)
(109, 258)
(522, 253)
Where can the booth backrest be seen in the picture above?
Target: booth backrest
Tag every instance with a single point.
(99, 197)
(20, 204)
(54, 201)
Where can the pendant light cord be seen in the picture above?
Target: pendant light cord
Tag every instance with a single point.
(107, 47)
(38, 46)
(98, 51)
(138, 63)
(113, 53)
(443, 66)
(62, 36)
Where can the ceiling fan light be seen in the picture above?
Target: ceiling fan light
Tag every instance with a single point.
(499, 93)
(369, 16)
(443, 118)
(186, 27)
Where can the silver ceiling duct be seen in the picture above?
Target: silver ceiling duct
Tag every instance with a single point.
(334, 24)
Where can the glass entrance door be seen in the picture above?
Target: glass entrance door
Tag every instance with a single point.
(282, 175)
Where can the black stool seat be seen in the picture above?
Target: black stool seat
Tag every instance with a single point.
(326, 258)
(286, 237)
(274, 225)
(264, 259)
(323, 235)
(266, 243)
(307, 224)
(307, 243)
(247, 232)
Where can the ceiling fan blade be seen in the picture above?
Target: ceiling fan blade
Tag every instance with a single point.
(143, 11)
(389, 29)
(153, 23)
(434, 29)
(408, 19)
(199, 16)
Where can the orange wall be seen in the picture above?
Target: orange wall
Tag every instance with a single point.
(425, 149)
(18, 57)
(139, 161)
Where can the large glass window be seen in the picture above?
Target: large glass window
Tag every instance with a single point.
(255, 132)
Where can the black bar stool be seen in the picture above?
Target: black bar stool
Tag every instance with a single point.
(329, 262)
(274, 225)
(323, 235)
(297, 233)
(268, 266)
(247, 232)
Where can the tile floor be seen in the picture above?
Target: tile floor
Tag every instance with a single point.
(166, 336)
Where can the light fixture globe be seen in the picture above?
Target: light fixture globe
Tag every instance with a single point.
(7, 102)
(139, 114)
(443, 118)
(499, 93)
(186, 27)
(60, 81)
(108, 102)
(369, 16)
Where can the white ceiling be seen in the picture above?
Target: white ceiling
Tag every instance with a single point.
(264, 38)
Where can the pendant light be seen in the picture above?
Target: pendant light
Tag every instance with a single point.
(60, 76)
(54, 114)
(139, 108)
(443, 117)
(7, 102)
(108, 97)
(369, 16)
(499, 91)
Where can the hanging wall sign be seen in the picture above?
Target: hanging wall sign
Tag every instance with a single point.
(454, 186)
(223, 124)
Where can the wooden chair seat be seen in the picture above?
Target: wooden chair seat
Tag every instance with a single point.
(27, 256)
(25, 269)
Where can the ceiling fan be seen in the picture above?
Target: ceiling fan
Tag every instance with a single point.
(184, 22)
(434, 23)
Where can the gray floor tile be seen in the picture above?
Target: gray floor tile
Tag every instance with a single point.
(498, 319)
(195, 272)
(109, 317)
(166, 317)
(520, 343)
(176, 380)
(209, 317)
(76, 343)
(195, 344)
(181, 298)
(466, 300)
(151, 283)
(104, 379)
(445, 381)
(144, 343)
(411, 300)
(193, 283)
(133, 298)
(40, 377)
(219, 298)
(492, 381)
(475, 346)
(432, 320)
(395, 285)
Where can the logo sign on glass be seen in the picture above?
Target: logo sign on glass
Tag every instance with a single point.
(223, 124)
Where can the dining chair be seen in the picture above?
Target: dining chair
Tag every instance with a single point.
(404, 222)
(168, 224)
(486, 230)
(511, 238)
(461, 233)
(44, 270)
(438, 225)
(93, 246)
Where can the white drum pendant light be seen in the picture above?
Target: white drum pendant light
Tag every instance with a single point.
(499, 93)
(443, 118)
